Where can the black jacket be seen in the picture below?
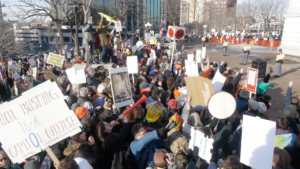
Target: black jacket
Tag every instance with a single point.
(295, 156)
(82, 100)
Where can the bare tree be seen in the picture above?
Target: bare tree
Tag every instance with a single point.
(173, 12)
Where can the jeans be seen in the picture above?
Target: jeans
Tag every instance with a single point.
(224, 51)
(203, 44)
(86, 46)
(245, 57)
(278, 68)
(104, 53)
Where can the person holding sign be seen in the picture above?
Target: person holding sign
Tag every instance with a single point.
(246, 53)
(225, 44)
(279, 61)
(103, 39)
(88, 38)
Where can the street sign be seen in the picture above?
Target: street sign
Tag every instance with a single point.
(118, 26)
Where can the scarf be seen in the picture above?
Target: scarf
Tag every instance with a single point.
(144, 91)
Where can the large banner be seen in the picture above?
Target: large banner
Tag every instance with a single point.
(35, 121)
(56, 60)
(121, 89)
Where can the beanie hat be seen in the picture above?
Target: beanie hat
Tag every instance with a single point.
(100, 100)
(253, 104)
(173, 104)
(290, 111)
(167, 73)
(152, 73)
(155, 92)
(262, 107)
(162, 65)
(80, 112)
(159, 156)
(178, 121)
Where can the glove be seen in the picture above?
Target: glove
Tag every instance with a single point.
(162, 133)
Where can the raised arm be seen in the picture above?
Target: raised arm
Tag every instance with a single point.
(289, 94)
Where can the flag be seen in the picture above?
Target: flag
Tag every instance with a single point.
(163, 21)
(284, 140)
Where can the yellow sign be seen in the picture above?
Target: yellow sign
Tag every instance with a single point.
(153, 42)
(108, 18)
(56, 60)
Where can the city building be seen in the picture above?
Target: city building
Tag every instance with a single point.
(184, 12)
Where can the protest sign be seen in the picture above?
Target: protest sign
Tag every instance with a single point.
(152, 54)
(3, 74)
(9, 62)
(121, 90)
(157, 36)
(76, 77)
(168, 52)
(31, 62)
(56, 60)
(34, 73)
(139, 45)
(198, 56)
(118, 26)
(191, 68)
(132, 64)
(200, 145)
(37, 119)
(151, 33)
(45, 57)
(226, 105)
(258, 142)
(218, 81)
(14, 67)
(153, 41)
(176, 33)
(190, 57)
(203, 52)
(252, 80)
(133, 49)
(108, 18)
(68, 55)
(16, 75)
(200, 89)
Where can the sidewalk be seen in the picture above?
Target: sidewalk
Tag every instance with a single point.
(290, 72)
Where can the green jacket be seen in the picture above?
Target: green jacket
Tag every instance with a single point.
(35, 83)
(262, 87)
(102, 34)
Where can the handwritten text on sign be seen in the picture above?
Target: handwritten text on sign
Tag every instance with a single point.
(56, 60)
(35, 121)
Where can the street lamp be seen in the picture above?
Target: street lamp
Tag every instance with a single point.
(204, 27)
(75, 5)
(228, 28)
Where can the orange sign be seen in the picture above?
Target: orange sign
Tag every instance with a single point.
(171, 32)
(252, 80)
(179, 34)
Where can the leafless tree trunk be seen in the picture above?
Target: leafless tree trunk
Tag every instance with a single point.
(173, 12)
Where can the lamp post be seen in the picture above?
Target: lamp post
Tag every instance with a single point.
(204, 27)
(228, 28)
(75, 5)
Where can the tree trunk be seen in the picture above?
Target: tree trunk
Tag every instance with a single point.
(61, 37)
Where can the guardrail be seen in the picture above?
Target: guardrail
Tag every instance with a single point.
(252, 41)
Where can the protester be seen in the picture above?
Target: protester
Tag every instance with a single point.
(103, 40)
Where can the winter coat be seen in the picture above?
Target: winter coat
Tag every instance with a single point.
(294, 154)
(102, 34)
(89, 79)
(133, 40)
(77, 149)
(118, 43)
(241, 105)
(88, 37)
(146, 145)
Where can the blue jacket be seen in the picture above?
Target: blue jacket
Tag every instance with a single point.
(241, 105)
(150, 142)
(140, 56)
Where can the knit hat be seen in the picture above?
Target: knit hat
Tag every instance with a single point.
(155, 92)
(152, 73)
(253, 104)
(262, 107)
(159, 158)
(173, 104)
(199, 109)
(159, 76)
(178, 121)
(290, 111)
(167, 73)
(162, 65)
(80, 112)
(244, 94)
(100, 100)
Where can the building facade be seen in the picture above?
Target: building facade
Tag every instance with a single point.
(184, 12)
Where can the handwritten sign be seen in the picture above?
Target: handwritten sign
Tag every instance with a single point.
(31, 62)
(76, 77)
(118, 26)
(176, 33)
(191, 68)
(132, 64)
(252, 80)
(218, 81)
(198, 56)
(34, 73)
(37, 119)
(203, 52)
(56, 60)
(139, 45)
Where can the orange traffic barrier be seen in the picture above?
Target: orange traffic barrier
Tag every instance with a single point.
(221, 40)
(233, 41)
(272, 44)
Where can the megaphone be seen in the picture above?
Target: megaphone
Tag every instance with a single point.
(142, 100)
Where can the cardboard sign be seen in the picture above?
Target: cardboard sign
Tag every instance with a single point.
(191, 68)
(218, 81)
(152, 54)
(31, 62)
(37, 119)
(120, 83)
(198, 56)
(76, 77)
(190, 57)
(139, 45)
(133, 49)
(176, 33)
(200, 145)
(118, 26)
(252, 80)
(34, 73)
(203, 52)
(3, 74)
(56, 60)
(258, 143)
(108, 18)
(132, 64)
(200, 89)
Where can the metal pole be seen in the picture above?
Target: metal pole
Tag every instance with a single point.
(76, 34)
(172, 55)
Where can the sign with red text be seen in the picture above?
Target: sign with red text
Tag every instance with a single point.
(3, 74)
(176, 33)
(252, 80)
(118, 26)
(35, 121)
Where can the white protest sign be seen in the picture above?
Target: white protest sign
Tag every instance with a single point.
(56, 60)
(133, 49)
(152, 54)
(139, 45)
(68, 55)
(34, 123)
(168, 52)
(176, 33)
(34, 73)
(190, 57)
(218, 81)
(198, 56)
(157, 36)
(132, 64)
(152, 33)
(45, 57)
(76, 77)
(191, 68)
(16, 76)
(203, 52)
(31, 62)
(9, 62)
(118, 26)
(14, 67)
(257, 142)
